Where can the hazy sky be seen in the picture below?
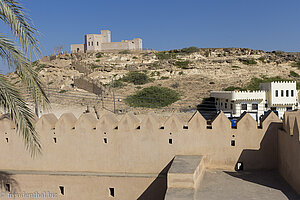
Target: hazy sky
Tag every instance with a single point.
(169, 24)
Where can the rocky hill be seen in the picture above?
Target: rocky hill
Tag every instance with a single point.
(191, 71)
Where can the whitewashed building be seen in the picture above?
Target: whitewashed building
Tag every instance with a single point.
(277, 96)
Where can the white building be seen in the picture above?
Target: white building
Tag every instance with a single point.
(277, 96)
(102, 42)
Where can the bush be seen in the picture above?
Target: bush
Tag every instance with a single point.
(137, 78)
(175, 85)
(99, 55)
(40, 67)
(97, 60)
(154, 66)
(164, 77)
(235, 67)
(163, 55)
(211, 82)
(124, 52)
(294, 74)
(182, 64)
(189, 50)
(94, 66)
(134, 57)
(296, 64)
(262, 59)
(180, 73)
(153, 97)
(249, 62)
(117, 84)
(62, 91)
(233, 88)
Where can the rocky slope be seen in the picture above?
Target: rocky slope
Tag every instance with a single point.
(192, 72)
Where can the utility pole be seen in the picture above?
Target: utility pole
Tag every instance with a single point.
(113, 90)
(36, 103)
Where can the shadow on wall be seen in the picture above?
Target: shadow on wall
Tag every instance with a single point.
(157, 189)
(267, 155)
(8, 183)
(269, 179)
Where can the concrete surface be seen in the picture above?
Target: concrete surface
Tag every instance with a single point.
(179, 194)
(258, 185)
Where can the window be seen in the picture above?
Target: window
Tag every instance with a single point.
(89, 43)
(62, 190)
(105, 140)
(7, 187)
(221, 104)
(289, 108)
(292, 93)
(287, 93)
(231, 106)
(170, 141)
(225, 105)
(112, 192)
(276, 93)
(216, 103)
(282, 93)
(232, 143)
(97, 43)
(92, 43)
(254, 106)
(244, 106)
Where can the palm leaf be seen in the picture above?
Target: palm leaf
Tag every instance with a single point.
(12, 13)
(29, 77)
(12, 101)
(18, 58)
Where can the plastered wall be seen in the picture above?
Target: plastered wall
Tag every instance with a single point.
(289, 149)
(140, 145)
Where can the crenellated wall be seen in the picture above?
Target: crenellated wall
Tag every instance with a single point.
(134, 152)
(140, 144)
(289, 149)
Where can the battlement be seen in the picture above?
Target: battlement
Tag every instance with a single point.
(146, 144)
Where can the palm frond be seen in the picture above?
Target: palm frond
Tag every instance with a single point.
(12, 101)
(12, 13)
(16, 59)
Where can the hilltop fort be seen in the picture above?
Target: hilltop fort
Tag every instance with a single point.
(102, 42)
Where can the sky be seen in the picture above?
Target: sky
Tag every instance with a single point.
(169, 24)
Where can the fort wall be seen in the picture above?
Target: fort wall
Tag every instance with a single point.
(289, 149)
(133, 145)
(86, 155)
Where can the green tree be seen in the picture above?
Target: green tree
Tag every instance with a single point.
(17, 52)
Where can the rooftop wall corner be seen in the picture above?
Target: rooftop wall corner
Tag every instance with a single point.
(173, 123)
(150, 122)
(86, 121)
(269, 117)
(47, 120)
(66, 120)
(221, 120)
(107, 121)
(246, 121)
(197, 121)
(128, 122)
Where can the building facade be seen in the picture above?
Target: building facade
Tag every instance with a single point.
(102, 42)
(277, 96)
